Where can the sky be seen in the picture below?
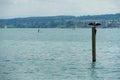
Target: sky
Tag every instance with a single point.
(35, 8)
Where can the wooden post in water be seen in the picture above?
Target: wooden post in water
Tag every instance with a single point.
(94, 40)
(94, 44)
(38, 29)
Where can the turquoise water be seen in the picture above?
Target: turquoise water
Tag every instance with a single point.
(58, 54)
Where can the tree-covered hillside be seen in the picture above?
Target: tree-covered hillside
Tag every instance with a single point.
(107, 21)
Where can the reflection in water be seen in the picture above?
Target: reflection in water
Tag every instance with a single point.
(93, 72)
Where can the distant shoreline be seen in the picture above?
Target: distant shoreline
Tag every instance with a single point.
(107, 21)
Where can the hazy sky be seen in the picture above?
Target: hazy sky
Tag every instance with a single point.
(28, 8)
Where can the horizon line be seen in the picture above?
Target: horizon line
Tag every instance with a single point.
(60, 15)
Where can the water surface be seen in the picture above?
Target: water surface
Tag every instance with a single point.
(58, 54)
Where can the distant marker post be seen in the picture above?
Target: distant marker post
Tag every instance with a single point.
(94, 24)
(38, 29)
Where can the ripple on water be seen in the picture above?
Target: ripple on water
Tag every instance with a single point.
(58, 54)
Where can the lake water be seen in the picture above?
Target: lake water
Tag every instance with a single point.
(58, 54)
